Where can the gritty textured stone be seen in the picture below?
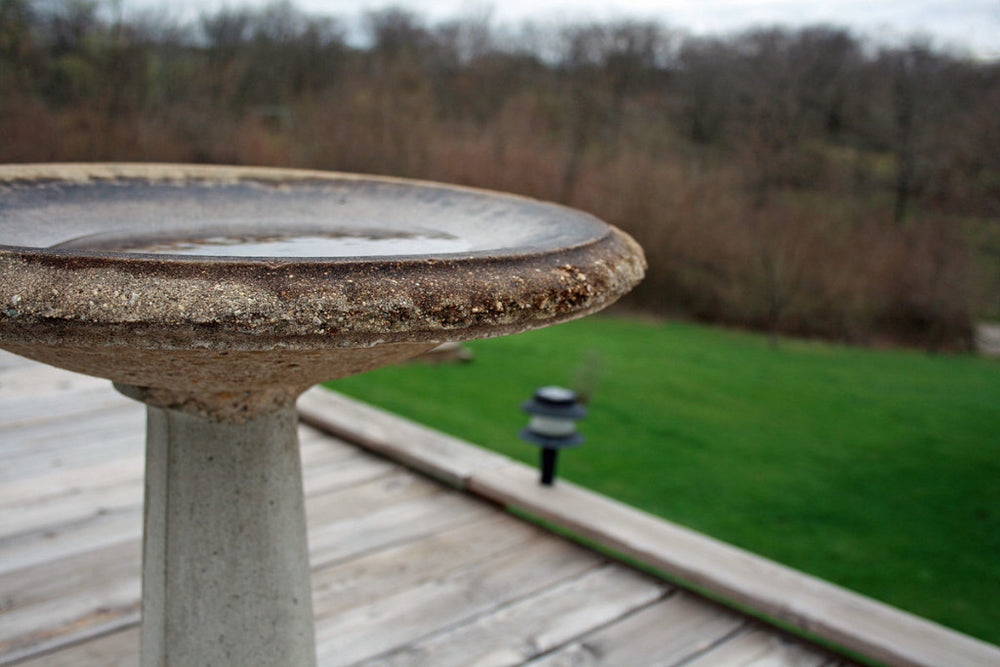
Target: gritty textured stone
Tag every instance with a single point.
(73, 298)
(225, 564)
(218, 347)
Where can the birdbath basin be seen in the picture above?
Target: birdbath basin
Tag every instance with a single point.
(216, 295)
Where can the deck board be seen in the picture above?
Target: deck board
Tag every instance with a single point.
(743, 579)
(757, 647)
(412, 612)
(669, 632)
(406, 570)
(543, 622)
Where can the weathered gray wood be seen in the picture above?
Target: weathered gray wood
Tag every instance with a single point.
(28, 409)
(55, 445)
(666, 633)
(74, 511)
(30, 377)
(74, 481)
(61, 510)
(370, 525)
(72, 523)
(61, 597)
(343, 471)
(9, 361)
(352, 583)
(397, 560)
(445, 458)
(412, 613)
(759, 647)
(46, 649)
(69, 596)
(534, 625)
(58, 430)
(65, 541)
(338, 588)
(832, 613)
(114, 649)
(329, 466)
(846, 618)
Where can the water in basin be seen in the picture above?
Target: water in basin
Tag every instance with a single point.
(338, 219)
(310, 243)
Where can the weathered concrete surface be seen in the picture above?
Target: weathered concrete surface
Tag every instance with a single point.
(219, 346)
(225, 563)
(75, 294)
(65, 283)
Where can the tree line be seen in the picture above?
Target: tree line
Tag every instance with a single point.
(803, 181)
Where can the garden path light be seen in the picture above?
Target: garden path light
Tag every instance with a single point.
(554, 412)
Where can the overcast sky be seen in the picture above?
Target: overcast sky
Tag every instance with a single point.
(968, 25)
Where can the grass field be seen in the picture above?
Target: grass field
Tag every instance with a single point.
(875, 469)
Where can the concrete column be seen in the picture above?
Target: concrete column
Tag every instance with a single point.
(225, 559)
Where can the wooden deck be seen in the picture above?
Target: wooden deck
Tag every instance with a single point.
(406, 570)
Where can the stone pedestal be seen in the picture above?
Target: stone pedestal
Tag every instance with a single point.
(225, 557)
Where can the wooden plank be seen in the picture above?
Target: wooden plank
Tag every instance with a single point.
(359, 581)
(62, 521)
(45, 447)
(50, 446)
(37, 379)
(409, 614)
(833, 613)
(347, 585)
(51, 512)
(756, 646)
(368, 526)
(58, 600)
(320, 447)
(115, 649)
(366, 490)
(405, 516)
(44, 462)
(447, 459)
(535, 625)
(53, 542)
(843, 617)
(63, 598)
(357, 501)
(56, 432)
(320, 454)
(666, 633)
(23, 493)
(90, 590)
(103, 623)
(342, 470)
(32, 408)
(9, 361)
(70, 540)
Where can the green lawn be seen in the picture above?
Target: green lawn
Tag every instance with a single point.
(878, 470)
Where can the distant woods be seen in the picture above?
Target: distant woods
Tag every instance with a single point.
(803, 182)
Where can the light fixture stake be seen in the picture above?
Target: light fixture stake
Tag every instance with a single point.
(554, 412)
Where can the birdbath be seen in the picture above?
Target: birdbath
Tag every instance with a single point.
(216, 295)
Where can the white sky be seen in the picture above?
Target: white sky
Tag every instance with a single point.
(971, 26)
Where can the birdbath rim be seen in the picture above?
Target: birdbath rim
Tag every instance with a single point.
(487, 264)
(219, 347)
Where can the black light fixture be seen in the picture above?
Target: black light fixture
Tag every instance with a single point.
(554, 412)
